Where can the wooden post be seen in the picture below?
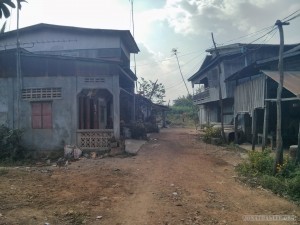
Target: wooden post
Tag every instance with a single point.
(236, 137)
(220, 90)
(81, 113)
(266, 125)
(254, 118)
(298, 150)
(279, 148)
(116, 106)
(164, 119)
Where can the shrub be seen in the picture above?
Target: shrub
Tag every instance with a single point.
(294, 187)
(210, 133)
(261, 162)
(274, 184)
(10, 144)
(259, 168)
(258, 163)
(138, 131)
(151, 128)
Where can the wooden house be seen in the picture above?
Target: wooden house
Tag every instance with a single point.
(232, 58)
(255, 99)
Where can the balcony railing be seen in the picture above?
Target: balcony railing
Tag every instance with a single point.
(94, 139)
(202, 95)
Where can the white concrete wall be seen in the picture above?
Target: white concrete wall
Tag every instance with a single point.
(64, 110)
(58, 40)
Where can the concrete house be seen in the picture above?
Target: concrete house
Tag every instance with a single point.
(255, 99)
(74, 85)
(232, 58)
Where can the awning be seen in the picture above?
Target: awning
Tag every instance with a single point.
(291, 80)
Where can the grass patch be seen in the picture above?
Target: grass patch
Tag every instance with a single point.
(257, 171)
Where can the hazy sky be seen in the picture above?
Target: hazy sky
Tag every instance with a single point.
(161, 25)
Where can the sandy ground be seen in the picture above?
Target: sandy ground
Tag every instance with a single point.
(174, 179)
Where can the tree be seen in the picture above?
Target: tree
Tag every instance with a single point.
(184, 106)
(152, 90)
(4, 7)
(4, 10)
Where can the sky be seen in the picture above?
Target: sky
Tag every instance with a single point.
(163, 25)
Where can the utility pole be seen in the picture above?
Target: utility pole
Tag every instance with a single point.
(134, 60)
(153, 89)
(298, 149)
(174, 50)
(279, 149)
(220, 90)
(19, 76)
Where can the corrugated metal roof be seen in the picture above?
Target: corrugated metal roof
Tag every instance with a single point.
(291, 80)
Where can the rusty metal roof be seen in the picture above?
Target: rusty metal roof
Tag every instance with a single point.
(291, 80)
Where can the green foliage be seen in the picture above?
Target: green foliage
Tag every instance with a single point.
(272, 183)
(210, 133)
(151, 128)
(152, 90)
(293, 187)
(10, 144)
(183, 111)
(6, 4)
(138, 131)
(258, 170)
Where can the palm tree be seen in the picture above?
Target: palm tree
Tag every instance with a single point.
(4, 4)
(4, 11)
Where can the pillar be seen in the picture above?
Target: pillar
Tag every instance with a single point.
(116, 106)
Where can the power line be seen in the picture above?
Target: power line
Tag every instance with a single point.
(294, 17)
(251, 34)
(291, 15)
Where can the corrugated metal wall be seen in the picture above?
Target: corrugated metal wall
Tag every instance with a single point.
(249, 95)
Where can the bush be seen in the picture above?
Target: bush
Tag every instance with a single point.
(151, 128)
(259, 167)
(273, 183)
(138, 131)
(261, 162)
(10, 144)
(294, 187)
(210, 133)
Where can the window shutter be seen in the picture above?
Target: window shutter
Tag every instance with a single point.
(36, 115)
(47, 115)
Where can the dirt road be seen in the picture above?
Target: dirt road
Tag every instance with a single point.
(174, 179)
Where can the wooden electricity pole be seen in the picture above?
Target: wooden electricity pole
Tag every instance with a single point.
(298, 149)
(279, 147)
(220, 90)
(174, 50)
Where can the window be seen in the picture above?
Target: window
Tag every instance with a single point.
(41, 115)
